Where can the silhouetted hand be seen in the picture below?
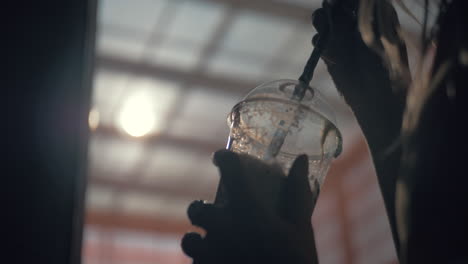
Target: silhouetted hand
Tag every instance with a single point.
(354, 66)
(266, 218)
(337, 25)
(361, 74)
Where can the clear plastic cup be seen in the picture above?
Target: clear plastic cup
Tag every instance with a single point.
(270, 117)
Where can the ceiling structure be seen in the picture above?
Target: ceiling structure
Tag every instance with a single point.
(181, 65)
(168, 73)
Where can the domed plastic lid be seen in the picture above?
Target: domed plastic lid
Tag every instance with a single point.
(290, 118)
(284, 90)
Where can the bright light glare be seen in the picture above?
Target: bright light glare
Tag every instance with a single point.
(137, 116)
(93, 119)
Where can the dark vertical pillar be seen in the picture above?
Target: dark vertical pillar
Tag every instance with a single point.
(47, 93)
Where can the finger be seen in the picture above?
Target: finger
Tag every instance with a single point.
(193, 245)
(298, 192)
(232, 177)
(315, 39)
(320, 21)
(208, 216)
(325, 53)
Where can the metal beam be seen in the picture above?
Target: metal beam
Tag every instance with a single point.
(162, 138)
(114, 220)
(181, 192)
(214, 82)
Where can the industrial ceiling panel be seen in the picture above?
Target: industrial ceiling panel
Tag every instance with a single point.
(237, 65)
(168, 165)
(195, 21)
(114, 157)
(133, 202)
(255, 33)
(183, 55)
(100, 197)
(139, 15)
(204, 114)
(127, 47)
(107, 92)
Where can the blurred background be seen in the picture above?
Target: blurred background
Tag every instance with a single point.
(167, 73)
